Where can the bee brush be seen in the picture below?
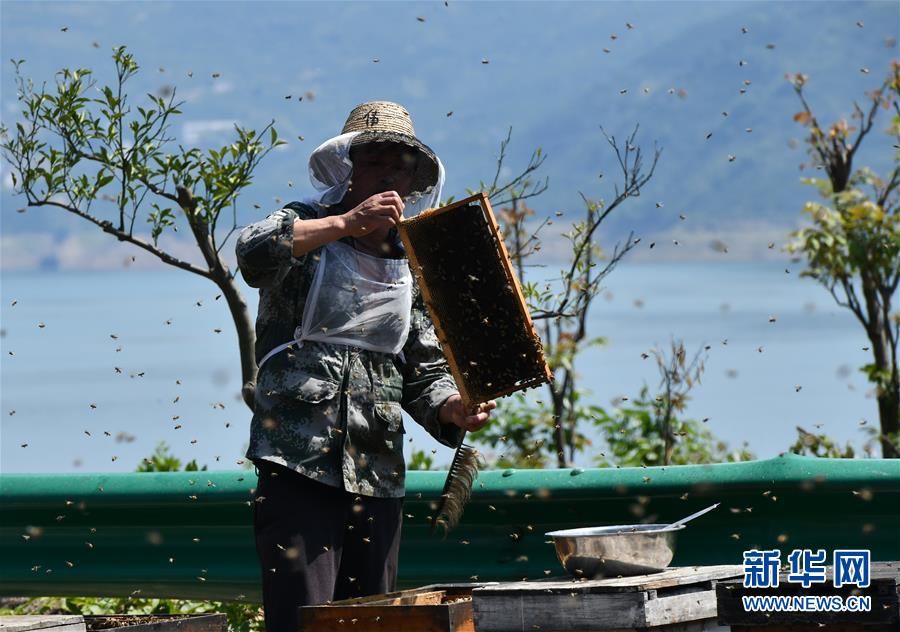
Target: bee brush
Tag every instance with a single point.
(457, 487)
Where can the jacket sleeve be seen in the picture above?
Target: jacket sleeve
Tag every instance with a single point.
(265, 249)
(427, 382)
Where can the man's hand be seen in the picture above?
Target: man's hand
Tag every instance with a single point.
(453, 412)
(378, 212)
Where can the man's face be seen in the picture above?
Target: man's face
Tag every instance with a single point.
(380, 167)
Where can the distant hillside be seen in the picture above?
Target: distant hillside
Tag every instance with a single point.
(547, 76)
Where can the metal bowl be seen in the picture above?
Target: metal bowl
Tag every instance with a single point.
(633, 549)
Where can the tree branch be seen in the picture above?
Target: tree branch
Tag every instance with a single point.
(634, 180)
(852, 302)
(823, 158)
(107, 227)
(889, 188)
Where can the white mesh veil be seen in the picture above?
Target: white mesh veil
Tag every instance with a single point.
(330, 169)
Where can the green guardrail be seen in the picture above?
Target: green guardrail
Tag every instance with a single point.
(189, 534)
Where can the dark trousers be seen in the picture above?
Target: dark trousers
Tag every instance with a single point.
(318, 543)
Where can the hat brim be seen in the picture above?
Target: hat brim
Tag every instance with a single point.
(426, 174)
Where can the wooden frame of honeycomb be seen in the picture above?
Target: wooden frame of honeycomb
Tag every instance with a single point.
(475, 300)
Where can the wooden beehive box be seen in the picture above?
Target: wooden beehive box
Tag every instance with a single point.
(42, 623)
(883, 590)
(434, 608)
(114, 622)
(157, 622)
(674, 600)
(474, 299)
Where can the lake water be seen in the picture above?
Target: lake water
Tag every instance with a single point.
(59, 371)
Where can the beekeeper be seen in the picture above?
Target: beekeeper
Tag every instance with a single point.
(343, 344)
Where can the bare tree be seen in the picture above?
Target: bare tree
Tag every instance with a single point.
(677, 378)
(561, 313)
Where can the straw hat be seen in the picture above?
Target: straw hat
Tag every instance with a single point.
(384, 121)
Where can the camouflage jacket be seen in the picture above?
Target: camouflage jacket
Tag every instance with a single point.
(333, 412)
